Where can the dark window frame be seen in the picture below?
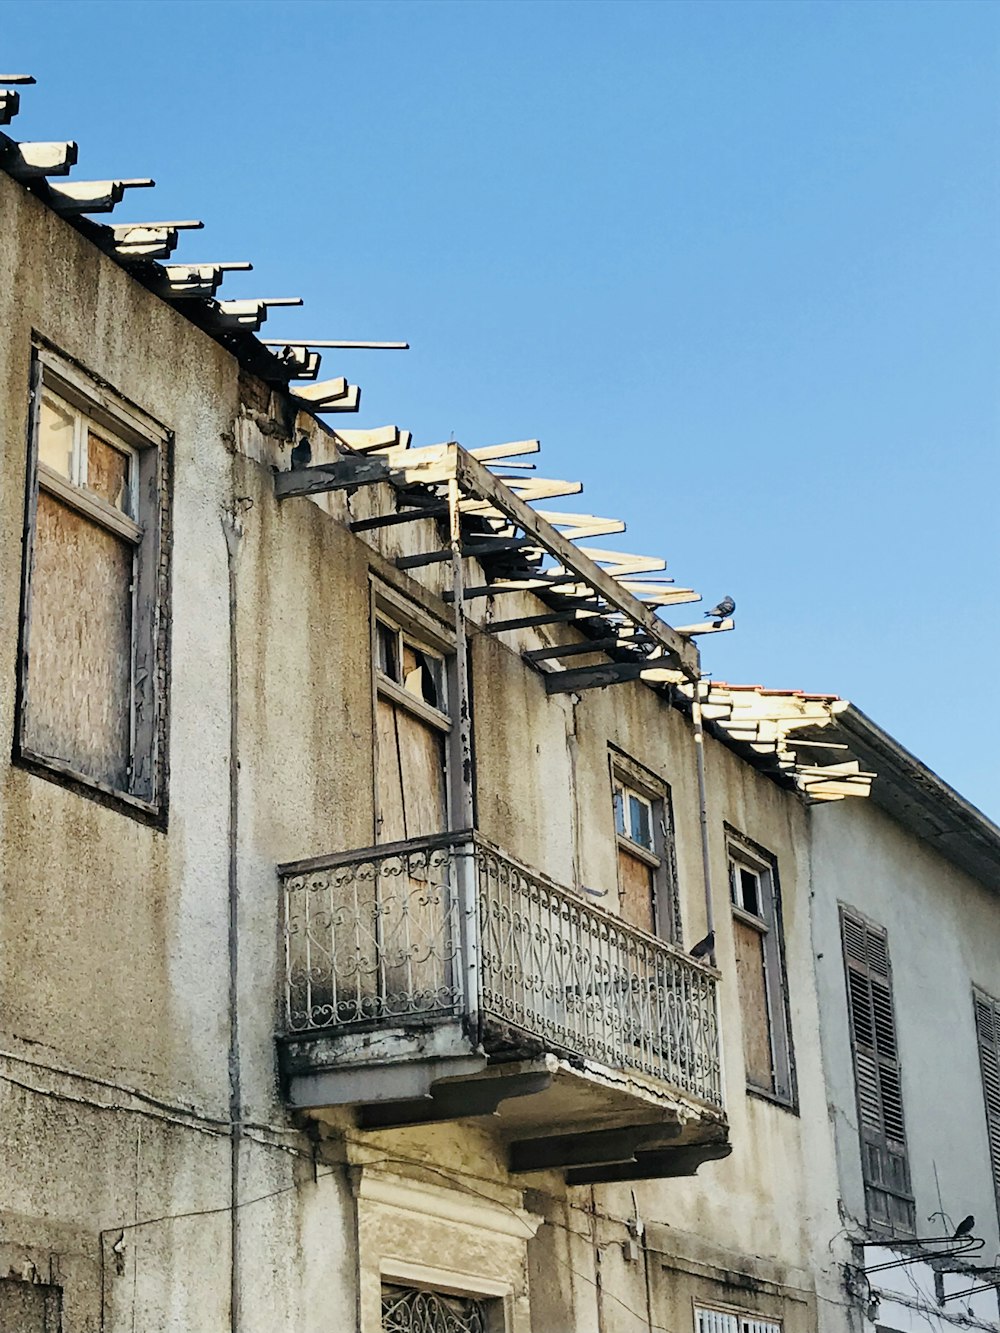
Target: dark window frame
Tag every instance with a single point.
(986, 1013)
(150, 444)
(878, 1074)
(743, 852)
(418, 629)
(626, 773)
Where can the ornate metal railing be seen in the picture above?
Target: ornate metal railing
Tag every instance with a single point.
(452, 926)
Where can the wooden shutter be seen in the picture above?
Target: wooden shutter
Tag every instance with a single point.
(877, 1075)
(988, 1033)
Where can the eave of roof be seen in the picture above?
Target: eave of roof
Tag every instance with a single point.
(924, 803)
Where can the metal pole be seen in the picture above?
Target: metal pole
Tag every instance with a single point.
(706, 860)
(463, 814)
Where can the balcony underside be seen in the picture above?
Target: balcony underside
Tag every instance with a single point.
(439, 980)
(549, 1110)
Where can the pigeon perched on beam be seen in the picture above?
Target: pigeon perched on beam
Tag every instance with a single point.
(721, 612)
(964, 1227)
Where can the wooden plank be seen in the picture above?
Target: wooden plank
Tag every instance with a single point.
(541, 488)
(580, 526)
(618, 564)
(366, 441)
(636, 900)
(490, 452)
(324, 391)
(667, 597)
(752, 987)
(591, 678)
(705, 627)
(478, 479)
(389, 779)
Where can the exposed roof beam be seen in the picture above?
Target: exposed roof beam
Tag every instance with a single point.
(591, 678)
(306, 343)
(478, 479)
(249, 314)
(29, 161)
(149, 240)
(93, 196)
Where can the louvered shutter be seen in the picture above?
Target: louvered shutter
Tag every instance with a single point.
(877, 1075)
(988, 1033)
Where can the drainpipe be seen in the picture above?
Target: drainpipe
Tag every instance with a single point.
(232, 528)
(464, 814)
(706, 860)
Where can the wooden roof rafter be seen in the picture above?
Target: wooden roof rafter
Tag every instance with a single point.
(772, 727)
(501, 501)
(42, 169)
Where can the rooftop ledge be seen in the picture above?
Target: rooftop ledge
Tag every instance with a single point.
(438, 979)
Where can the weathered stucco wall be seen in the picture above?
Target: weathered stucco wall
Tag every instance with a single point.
(115, 945)
(944, 938)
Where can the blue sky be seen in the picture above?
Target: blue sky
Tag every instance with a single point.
(735, 264)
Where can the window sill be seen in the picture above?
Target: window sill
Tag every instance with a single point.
(782, 1103)
(54, 770)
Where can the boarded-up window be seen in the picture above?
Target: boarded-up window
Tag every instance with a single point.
(412, 728)
(877, 1074)
(645, 849)
(92, 641)
(29, 1307)
(760, 976)
(988, 1034)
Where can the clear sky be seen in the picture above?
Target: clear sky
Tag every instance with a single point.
(736, 265)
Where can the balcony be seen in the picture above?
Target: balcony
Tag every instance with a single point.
(437, 979)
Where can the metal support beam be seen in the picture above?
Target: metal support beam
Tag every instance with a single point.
(339, 476)
(546, 618)
(470, 551)
(404, 516)
(537, 586)
(571, 649)
(592, 678)
(477, 479)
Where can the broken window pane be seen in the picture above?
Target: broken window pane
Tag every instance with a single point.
(55, 437)
(421, 675)
(749, 889)
(387, 641)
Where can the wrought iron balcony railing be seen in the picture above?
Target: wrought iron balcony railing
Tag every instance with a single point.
(449, 926)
